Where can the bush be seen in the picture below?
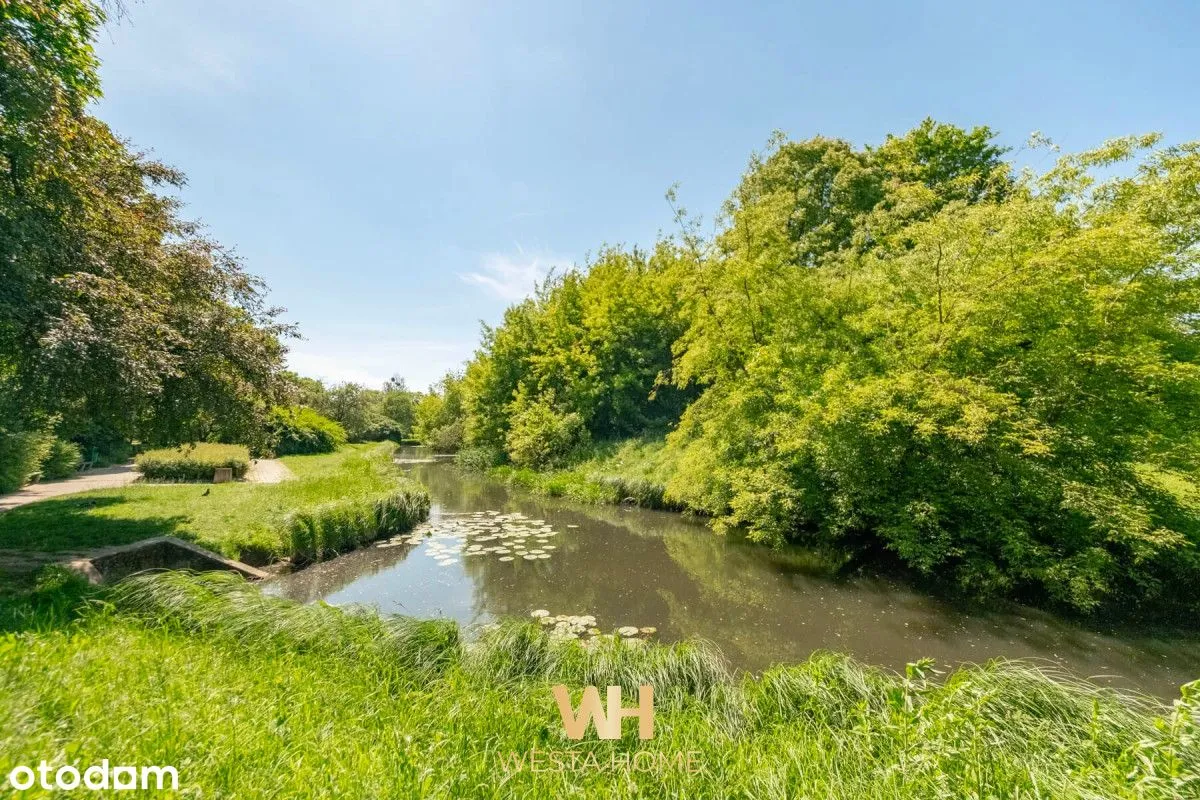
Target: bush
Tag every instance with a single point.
(299, 430)
(446, 439)
(193, 462)
(21, 454)
(62, 460)
(322, 532)
(540, 436)
(478, 459)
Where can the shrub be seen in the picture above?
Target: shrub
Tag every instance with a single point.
(540, 436)
(21, 453)
(324, 531)
(478, 459)
(62, 460)
(635, 491)
(193, 462)
(446, 439)
(299, 429)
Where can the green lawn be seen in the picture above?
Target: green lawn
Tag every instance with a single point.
(252, 697)
(236, 519)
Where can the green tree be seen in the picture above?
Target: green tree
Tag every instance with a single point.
(980, 388)
(115, 313)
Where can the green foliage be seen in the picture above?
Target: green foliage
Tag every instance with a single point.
(21, 454)
(595, 342)
(193, 462)
(905, 350)
(367, 415)
(974, 390)
(115, 312)
(330, 529)
(298, 429)
(478, 459)
(362, 698)
(62, 460)
(540, 436)
(440, 416)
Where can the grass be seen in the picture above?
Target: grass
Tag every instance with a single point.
(254, 522)
(250, 696)
(632, 472)
(193, 462)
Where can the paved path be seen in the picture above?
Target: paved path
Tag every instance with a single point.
(102, 478)
(262, 470)
(268, 470)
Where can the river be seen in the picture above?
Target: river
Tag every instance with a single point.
(488, 552)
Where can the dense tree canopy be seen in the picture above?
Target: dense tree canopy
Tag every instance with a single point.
(364, 414)
(115, 313)
(906, 349)
(594, 342)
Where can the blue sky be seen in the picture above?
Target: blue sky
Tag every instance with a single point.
(399, 171)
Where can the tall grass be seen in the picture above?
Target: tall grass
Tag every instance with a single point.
(326, 530)
(222, 607)
(633, 472)
(257, 697)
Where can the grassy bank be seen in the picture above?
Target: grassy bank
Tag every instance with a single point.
(632, 472)
(253, 697)
(332, 505)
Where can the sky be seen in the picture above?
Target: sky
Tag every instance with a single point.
(399, 172)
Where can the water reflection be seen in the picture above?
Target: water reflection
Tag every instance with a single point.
(635, 567)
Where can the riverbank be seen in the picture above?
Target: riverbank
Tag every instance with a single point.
(251, 696)
(632, 472)
(333, 504)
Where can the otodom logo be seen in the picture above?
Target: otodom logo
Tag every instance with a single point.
(606, 720)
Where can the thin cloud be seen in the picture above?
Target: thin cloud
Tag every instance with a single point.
(514, 277)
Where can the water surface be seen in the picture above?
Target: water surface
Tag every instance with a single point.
(629, 566)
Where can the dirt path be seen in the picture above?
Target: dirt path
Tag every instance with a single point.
(103, 478)
(268, 470)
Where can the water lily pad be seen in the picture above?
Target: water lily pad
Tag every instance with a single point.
(627, 630)
(649, 629)
(541, 612)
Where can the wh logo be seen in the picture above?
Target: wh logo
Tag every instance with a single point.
(608, 725)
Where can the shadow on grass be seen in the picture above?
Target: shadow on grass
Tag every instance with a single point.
(78, 523)
(36, 594)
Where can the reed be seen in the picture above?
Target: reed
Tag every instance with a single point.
(254, 696)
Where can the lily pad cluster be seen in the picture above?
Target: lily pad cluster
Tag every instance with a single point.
(507, 537)
(583, 626)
